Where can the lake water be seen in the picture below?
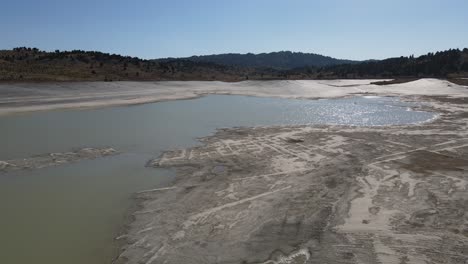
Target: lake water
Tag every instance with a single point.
(71, 213)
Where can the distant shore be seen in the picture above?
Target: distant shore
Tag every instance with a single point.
(30, 97)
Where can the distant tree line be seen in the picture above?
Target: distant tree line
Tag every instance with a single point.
(23, 63)
(34, 64)
(438, 64)
(282, 60)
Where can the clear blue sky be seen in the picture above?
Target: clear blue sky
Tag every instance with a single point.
(352, 29)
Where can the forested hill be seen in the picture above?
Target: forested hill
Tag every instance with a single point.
(442, 64)
(282, 60)
(30, 64)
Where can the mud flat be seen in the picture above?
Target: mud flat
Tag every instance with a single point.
(314, 194)
(55, 159)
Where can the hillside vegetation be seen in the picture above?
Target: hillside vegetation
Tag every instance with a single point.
(450, 63)
(30, 64)
(282, 60)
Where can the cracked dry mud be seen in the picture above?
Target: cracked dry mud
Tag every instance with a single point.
(312, 194)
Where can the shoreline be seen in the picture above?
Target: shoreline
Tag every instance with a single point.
(193, 181)
(448, 107)
(17, 98)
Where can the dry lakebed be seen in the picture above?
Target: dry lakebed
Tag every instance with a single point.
(344, 191)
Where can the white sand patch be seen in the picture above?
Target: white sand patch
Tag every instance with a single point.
(360, 210)
(292, 258)
(179, 235)
(284, 164)
(424, 87)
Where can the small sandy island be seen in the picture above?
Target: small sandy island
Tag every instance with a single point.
(296, 194)
(54, 159)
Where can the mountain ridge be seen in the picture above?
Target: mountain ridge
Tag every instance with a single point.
(280, 60)
(33, 65)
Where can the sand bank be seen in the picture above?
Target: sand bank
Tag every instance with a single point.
(18, 98)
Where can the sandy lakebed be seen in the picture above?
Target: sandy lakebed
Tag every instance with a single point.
(294, 194)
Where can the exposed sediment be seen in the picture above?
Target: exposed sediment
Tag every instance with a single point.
(320, 194)
(55, 159)
(27, 97)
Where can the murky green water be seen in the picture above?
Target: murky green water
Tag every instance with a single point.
(71, 213)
